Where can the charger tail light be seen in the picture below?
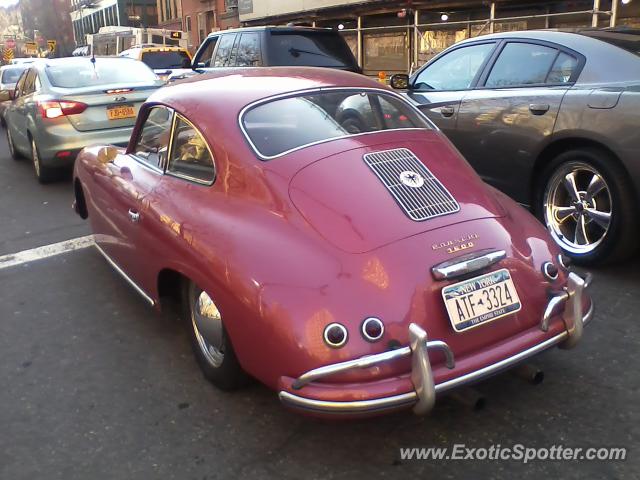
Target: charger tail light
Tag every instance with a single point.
(60, 108)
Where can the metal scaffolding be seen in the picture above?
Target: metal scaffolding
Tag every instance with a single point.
(415, 31)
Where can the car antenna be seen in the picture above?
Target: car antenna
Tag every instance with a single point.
(93, 62)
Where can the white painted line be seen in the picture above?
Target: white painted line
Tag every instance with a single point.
(46, 251)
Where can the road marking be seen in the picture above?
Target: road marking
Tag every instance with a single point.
(46, 251)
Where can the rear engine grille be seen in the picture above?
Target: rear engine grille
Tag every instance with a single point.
(414, 187)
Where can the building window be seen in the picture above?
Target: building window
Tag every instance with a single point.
(202, 28)
(187, 24)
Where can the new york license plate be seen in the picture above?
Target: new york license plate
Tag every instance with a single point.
(121, 111)
(481, 299)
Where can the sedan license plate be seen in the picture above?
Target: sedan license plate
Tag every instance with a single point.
(481, 299)
(120, 112)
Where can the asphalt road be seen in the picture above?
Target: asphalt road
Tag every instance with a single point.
(94, 384)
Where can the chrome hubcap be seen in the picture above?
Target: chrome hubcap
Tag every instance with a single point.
(577, 207)
(207, 325)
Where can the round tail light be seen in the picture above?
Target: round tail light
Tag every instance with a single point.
(372, 329)
(335, 335)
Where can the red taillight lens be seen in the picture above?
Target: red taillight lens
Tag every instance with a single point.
(55, 108)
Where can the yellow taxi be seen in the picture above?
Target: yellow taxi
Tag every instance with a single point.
(163, 59)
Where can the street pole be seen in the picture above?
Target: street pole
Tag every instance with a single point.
(596, 9)
(614, 13)
(81, 24)
(492, 17)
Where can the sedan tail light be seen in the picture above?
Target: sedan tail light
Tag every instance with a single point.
(60, 108)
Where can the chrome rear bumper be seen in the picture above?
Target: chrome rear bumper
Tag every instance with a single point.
(422, 398)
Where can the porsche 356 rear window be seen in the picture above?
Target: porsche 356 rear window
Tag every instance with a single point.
(281, 125)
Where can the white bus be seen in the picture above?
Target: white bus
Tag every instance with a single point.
(112, 40)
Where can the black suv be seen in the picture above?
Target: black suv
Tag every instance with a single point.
(275, 46)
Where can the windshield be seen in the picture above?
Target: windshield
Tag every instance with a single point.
(82, 72)
(314, 49)
(286, 124)
(11, 75)
(627, 40)
(162, 60)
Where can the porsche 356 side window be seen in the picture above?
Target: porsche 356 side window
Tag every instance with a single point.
(285, 124)
(153, 141)
(190, 156)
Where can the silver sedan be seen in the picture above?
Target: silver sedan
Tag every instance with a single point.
(60, 106)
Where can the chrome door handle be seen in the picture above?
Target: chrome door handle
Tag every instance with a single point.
(134, 216)
(447, 111)
(539, 108)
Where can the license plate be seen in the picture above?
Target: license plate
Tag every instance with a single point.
(120, 112)
(481, 299)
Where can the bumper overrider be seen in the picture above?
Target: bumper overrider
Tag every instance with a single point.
(422, 398)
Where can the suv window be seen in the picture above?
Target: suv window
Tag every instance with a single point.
(153, 141)
(224, 49)
(190, 155)
(205, 54)
(249, 50)
(231, 62)
(454, 70)
(309, 48)
(521, 64)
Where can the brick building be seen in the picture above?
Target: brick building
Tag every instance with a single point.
(201, 17)
(169, 14)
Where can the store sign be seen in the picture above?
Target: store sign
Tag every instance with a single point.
(245, 6)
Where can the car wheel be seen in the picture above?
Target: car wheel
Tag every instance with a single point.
(587, 203)
(210, 341)
(43, 174)
(12, 149)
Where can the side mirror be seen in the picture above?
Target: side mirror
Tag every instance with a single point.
(399, 81)
(5, 95)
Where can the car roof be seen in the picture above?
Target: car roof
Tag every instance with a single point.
(569, 39)
(279, 28)
(233, 88)
(53, 61)
(15, 66)
(603, 59)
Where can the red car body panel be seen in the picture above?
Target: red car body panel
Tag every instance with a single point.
(287, 246)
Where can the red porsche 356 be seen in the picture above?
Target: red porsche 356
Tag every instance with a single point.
(326, 239)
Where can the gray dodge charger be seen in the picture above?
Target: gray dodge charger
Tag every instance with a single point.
(552, 119)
